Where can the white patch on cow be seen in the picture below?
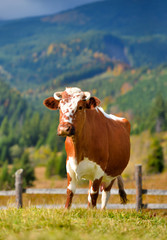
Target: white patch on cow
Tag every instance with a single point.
(71, 163)
(92, 191)
(87, 169)
(110, 116)
(69, 106)
(107, 179)
(89, 198)
(71, 91)
(72, 185)
(104, 198)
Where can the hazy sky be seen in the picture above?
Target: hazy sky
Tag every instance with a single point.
(11, 9)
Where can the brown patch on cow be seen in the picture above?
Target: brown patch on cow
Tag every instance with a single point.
(65, 95)
(68, 179)
(92, 102)
(94, 197)
(108, 188)
(51, 103)
(96, 184)
(70, 195)
(95, 188)
(123, 196)
(122, 192)
(126, 124)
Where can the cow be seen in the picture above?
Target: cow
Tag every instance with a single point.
(97, 144)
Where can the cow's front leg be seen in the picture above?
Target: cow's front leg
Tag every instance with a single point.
(93, 192)
(71, 187)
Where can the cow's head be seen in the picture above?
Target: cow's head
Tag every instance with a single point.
(72, 104)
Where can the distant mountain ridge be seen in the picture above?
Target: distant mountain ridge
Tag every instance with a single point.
(130, 17)
(37, 50)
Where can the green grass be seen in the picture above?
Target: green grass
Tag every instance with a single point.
(32, 223)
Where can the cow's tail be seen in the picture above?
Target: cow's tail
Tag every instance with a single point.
(122, 193)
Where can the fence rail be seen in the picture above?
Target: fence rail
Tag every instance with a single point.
(82, 191)
(139, 192)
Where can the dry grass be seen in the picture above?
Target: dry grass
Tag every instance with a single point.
(42, 182)
(149, 182)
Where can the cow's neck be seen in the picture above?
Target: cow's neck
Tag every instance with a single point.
(81, 140)
(76, 143)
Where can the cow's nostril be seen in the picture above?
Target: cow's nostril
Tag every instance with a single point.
(65, 130)
(68, 129)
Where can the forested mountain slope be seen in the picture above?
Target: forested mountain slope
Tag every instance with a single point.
(88, 39)
(22, 126)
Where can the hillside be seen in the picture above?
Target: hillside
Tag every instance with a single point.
(36, 50)
(23, 126)
(126, 92)
(12, 105)
(131, 93)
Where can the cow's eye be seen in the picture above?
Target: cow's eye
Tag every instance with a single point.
(80, 107)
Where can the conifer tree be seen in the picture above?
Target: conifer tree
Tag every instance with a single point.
(155, 163)
(5, 126)
(158, 115)
(56, 164)
(4, 177)
(28, 170)
(62, 168)
(51, 167)
(28, 174)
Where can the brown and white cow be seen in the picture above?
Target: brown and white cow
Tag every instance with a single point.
(97, 144)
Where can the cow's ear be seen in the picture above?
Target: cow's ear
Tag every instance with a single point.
(51, 103)
(92, 102)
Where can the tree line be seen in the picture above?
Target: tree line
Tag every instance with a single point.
(21, 127)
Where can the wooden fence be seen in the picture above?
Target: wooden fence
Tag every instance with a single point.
(139, 192)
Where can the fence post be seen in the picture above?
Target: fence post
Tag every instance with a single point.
(18, 187)
(138, 176)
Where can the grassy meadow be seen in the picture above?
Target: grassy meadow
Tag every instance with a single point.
(34, 224)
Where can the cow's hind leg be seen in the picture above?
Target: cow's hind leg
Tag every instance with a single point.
(106, 194)
(93, 192)
(122, 192)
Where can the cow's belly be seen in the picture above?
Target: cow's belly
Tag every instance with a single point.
(87, 169)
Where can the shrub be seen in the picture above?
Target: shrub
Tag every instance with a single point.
(4, 177)
(28, 170)
(158, 115)
(155, 163)
(56, 165)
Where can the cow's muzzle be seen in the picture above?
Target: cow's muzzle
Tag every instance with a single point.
(66, 130)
